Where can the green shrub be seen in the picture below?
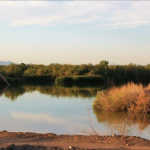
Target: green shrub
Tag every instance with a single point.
(80, 80)
(14, 80)
(38, 79)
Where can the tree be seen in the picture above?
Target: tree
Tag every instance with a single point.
(103, 68)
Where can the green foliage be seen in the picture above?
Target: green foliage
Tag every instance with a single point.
(14, 80)
(64, 81)
(113, 73)
(13, 70)
(38, 79)
(80, 80)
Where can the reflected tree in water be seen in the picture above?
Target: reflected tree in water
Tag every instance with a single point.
(3, 89)
(14, 91)
(121, 122)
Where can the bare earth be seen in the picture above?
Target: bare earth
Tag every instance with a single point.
(50, 141)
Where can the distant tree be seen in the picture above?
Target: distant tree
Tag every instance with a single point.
(103, 67)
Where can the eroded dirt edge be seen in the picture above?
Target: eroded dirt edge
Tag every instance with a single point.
(49, 141)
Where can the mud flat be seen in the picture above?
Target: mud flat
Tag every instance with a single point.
(51, 141)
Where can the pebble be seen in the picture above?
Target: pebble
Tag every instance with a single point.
(72, 147)
(3, 131)
(113, 135)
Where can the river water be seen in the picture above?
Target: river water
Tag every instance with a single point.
(64, 110)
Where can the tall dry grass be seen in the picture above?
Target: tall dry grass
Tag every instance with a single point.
(130, 97)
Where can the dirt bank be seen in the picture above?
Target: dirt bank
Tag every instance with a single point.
(49, 141)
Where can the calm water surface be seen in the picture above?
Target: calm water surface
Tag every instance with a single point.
(60, 110)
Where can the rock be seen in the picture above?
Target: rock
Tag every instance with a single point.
(11, 147)
(127, 144)
(72, 147)
(113, 135)
(4, 131)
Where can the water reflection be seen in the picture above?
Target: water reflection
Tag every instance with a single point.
(43, 113)
(15, 91)
(123, 123)
(62, 110)
(3, 89)
(35, 117)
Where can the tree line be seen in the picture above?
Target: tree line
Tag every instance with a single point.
(113, 73)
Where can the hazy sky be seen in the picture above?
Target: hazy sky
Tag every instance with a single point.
(75, 32)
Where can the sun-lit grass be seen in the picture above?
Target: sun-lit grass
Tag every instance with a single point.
(130, 97)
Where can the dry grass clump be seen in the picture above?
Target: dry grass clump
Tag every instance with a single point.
(130, 97)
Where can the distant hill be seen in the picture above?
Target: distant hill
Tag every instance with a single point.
(113, 64)
(5, 62)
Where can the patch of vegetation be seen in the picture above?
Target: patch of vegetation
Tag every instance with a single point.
(37, 79)
(113, 74)
(80, 80)
(14, 80)
(130, 97)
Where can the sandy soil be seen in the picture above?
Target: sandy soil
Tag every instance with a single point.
(50, 141)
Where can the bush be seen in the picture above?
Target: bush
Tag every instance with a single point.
(14, 80)
(38, 79)
(130, 97)
(64, 81)
(79, 80)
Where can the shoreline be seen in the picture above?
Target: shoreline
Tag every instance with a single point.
(49, 141)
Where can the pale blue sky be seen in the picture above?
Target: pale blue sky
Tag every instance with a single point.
(75, 32)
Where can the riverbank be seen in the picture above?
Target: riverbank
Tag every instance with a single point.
(48, 141)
